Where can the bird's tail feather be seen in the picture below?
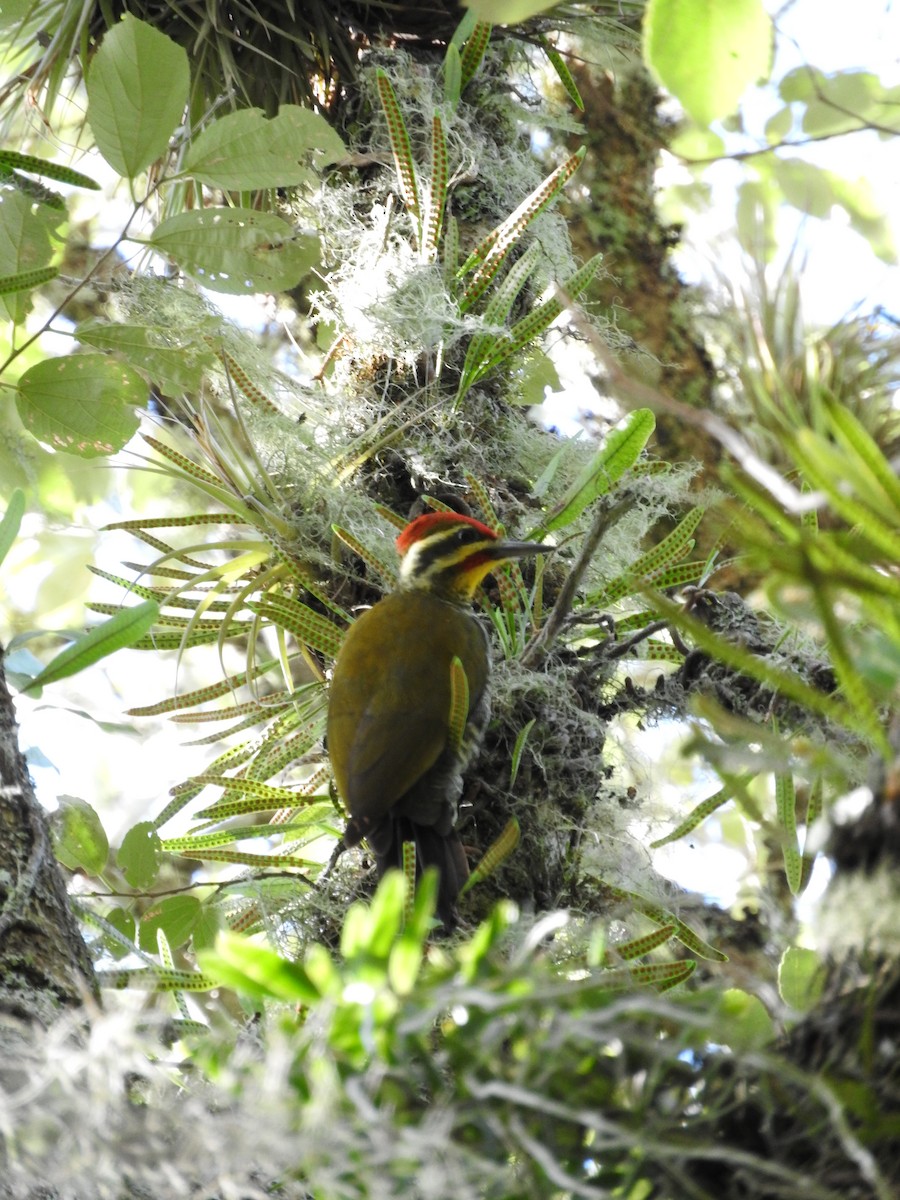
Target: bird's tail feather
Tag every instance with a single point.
(433, 849)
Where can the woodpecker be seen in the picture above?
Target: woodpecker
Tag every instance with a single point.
(397, 766)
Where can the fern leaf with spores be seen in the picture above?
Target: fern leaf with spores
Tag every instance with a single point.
(656, 650)
(279, 753)
(483, 500)
(156, 979)
(661, 976)
(251, 721)
(515, 760)
(698, 814)
(253, 393)
(390, 516)
(639, 946)
(369, 557)
(536, 322)
(495, 855)
(49, 170)
(508, 232)
(437, 191)
(814, 808)
(450, 254)
(473, 52)
(483, 345)
(459, 705)
(26, 281)
(400, 145)
(304, 623)
(652, 564)
(202, 695)
(181, 462)
(661, 916)
(565, 75)
(409, 874)
(786, 811)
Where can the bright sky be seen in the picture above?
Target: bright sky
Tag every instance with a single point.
(842, 272)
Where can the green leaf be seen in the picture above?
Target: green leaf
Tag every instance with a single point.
(137, 90)
(693, 143)
(81, 403)
(779, 126)
(237, 250)
(531, 382)
(452, 75)
(119, 631)
(176, 916)
(139, 855)
(706, 52)
(27, 231)
(840, 103)
(400, 145)
(386, 914)
(816, 191)
(785, 806)
(473, 51)
(12, 520)
(256, 971)
(26, 281)
(619, 452)
(15, 12)
(508, 12)
(123, 921)
(859, 445)
(79, 841)
(745, 1023)
(565, 75)
(49, 170)
(245, 150)
(801, 978)
(170, 363)
(207, 928)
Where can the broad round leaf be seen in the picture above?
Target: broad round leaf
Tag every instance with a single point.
(176, 916)
(173, 361)
(244, 151)
(237, 250)
(79, 841)
(137, 91)
(139, 855)
(707, 52)
(801, 978)
(81, 403)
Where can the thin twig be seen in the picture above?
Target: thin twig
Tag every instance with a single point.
(549, 631)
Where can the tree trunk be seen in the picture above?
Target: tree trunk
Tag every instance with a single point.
(45, 966)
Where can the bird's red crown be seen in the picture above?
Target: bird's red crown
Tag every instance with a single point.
(429, 523)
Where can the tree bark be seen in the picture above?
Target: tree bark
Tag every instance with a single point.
(45, 966)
